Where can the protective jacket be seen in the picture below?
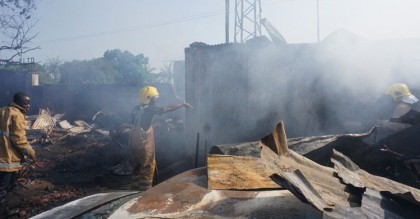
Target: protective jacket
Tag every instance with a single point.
(142, 146)
(13, 142)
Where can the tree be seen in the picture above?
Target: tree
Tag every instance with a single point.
(95, 71)
(44, 77)
(22, 7)
(52, 68)
(15, 27)
(115, 66)
(166, 74)
(134, 69)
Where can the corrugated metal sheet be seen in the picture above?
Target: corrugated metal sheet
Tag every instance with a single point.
(394, 157)
(187, 196)
(78, 207)
(351, 174)
(44, 121)
(343, 192)
(238, 172)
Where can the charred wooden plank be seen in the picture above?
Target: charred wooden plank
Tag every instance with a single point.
(236, 172)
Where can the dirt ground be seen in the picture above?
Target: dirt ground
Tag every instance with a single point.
(72, 167)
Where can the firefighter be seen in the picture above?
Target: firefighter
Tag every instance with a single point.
(141, 140)
(14, 145)
(404, 99)
(404, 111)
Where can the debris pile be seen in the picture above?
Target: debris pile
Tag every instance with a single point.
(337, 176)
(243, 184)
(75, 159)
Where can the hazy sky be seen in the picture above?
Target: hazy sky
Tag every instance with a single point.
(161, 29)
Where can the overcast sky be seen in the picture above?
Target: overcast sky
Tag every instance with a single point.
(161, 29)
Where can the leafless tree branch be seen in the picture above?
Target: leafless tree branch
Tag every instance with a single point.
(16, 34)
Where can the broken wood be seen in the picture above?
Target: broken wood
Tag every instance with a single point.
(333, 191)
(277, 141)
(236, 172)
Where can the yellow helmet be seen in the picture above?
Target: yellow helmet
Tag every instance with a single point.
(400, 91)
(147, 93)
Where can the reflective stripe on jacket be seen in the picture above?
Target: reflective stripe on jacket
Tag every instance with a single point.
(13, 141)
(4, 133)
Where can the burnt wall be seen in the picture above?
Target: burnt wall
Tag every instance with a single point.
(240, 91)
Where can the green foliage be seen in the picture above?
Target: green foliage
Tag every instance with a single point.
(166, 74)
(115, 66)
(134, 69)
(52, 69)
(95, 71)
(44, 77)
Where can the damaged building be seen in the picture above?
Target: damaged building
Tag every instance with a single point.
(325, 93)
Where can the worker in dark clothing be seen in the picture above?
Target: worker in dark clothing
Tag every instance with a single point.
(13, 142)
(141, 139)
(403, 111)
(406, 104)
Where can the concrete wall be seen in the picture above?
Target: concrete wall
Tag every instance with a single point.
(240, 91)
(12, 82)
(78, 101)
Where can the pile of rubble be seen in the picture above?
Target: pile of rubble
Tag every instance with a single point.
(276, 177)
(336, 176)
(282, 178)
(75, 159)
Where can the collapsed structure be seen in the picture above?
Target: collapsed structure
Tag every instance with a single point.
(314, 88)
(267, 185)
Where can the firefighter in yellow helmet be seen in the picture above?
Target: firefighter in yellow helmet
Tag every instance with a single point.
(13, 142)
(141, 140)
(405, 111)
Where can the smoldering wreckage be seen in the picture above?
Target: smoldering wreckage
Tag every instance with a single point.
(82, 167)
(334, 176)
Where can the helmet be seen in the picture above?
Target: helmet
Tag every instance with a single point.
(147, 93)
(400, 91)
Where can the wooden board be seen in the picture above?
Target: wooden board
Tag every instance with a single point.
(238, 172)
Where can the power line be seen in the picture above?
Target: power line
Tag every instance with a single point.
(133, 29)
(173, 21)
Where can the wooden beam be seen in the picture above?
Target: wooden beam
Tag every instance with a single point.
(238, 172)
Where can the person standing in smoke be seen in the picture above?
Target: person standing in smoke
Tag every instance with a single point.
(13, 142)
(141, 140)
(405, 101)
(404, 112)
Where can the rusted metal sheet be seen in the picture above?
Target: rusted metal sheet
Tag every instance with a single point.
(242, 149)
(187, 196)
(343, 192)
(314, 181)
(393, 157)
(350, 173)
(301, 145)
(44, 121)
(238, 172)
(78, 207)
(319, 148)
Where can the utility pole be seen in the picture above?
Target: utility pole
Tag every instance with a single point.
(247, 20)
(227, 20)
(317, 18)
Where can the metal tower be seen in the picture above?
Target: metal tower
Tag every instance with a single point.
(247, 20)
